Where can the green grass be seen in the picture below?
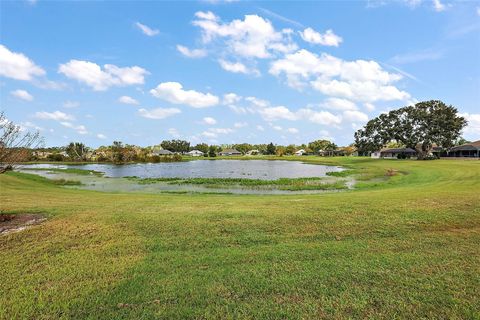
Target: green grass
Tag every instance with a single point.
(402, 246)
(295, 184)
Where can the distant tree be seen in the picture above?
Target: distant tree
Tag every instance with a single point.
(280, 150)
(271, 149)
(243, 147)
(76, 151)
(212, 151)
(290, 149)
(418, 127)
(176, 145)
(321, 145)
(461, 141)
(15, 143)
(202, 147)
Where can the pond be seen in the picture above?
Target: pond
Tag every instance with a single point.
(200, 176)
(250, 169)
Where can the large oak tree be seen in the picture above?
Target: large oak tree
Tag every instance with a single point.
(419, 127)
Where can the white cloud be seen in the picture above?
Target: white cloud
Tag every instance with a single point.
(473, 128)
(240, 124)
(292, 130)
(209, 121)
(369, 106)
(174, 132)
(339, 104)
(18, 66)
(173, 92)
(100, 79)
(231, 98)
(79, 128)
(56, 115)
(320, 117)
(478, 11)
(101, 136)
(71, 104)
(253, 37)
(358, 80)
(327, 39)
(158, 113)
(438, 6)
(128, 100)
(418, 56)
(237, 67)
(260, 128)
(22, 94)
(355, 116)
(146, 29)
(278, 112)
(191, 53)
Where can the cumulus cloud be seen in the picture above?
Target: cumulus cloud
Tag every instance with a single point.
(339, 104)
(473, 128)
(319, 117)
(209, 121)
(17, 66)
(231, 98)
(128, 100)
(81, 129)
(292, 130)
(22, 94)
(173, 92)
(327, 39)
(237, 67)
(71, 104)
(239, 125)
(158, 113)
(214, 132)
(355, 116)
(101, 79)
(438, 6)
(252, 37)
(358, 80)
(146, 29)
(101, 136)
(56, 115)
(191, 53)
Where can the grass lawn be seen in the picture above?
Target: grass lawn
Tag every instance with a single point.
(406, 247)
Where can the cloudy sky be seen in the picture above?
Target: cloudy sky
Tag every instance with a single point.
(232, 71)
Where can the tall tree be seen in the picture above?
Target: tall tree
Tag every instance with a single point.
(15, 143)
(321, 145)
(419, 127)
(76, 151)
(271, 149)
(201, 147)
(176, 145)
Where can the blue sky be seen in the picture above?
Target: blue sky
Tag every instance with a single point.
(232, 71)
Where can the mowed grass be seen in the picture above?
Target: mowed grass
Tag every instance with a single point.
(402, 246)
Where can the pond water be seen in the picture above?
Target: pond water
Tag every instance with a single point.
(250, 169)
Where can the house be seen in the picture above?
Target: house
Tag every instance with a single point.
(230, 152)
(467, 150)
(195, 153)
(299, 152)
(162, 152)
(397, 153)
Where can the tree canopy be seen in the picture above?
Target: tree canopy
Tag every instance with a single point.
(418, 126)
(176, 145)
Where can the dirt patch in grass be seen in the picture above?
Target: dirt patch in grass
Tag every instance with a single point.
(17, 222)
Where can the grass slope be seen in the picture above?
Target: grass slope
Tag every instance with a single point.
(403, 248)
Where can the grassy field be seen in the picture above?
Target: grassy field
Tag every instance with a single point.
(405, 245)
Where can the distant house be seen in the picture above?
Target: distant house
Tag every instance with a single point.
(162, 152)
(467, 150)
(299, 152)
(230, 152)
(394, 153)
(195, 153)
(252, 153)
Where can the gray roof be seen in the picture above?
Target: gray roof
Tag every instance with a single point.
(468, 146)
(230, 151)
(163, 152)
(398, 150)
